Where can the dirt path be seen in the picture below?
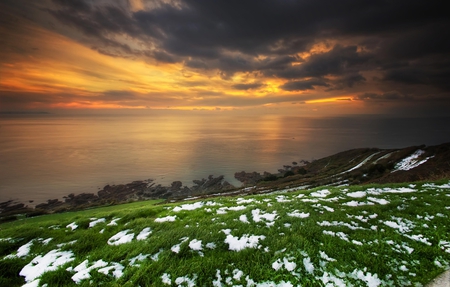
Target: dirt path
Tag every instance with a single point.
(442, 280)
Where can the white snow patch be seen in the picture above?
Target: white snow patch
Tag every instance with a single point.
(176, 248)
(258, 215)
(210, 245)
(138, 258)
(371, 280)
(361, 163)
(113, 222)
(411, 161)
(49, 262)
(144, 234)
(24, 250)
(246, 241)
(357, 194)
(309, 267)
(82, 270)
(298, 214)
(381, 201)
(166, 279)
(184, 279)
(243, 218)
(321, 193)
(166, 219)
(121, 238)
(189, 207)
(95, 222)
(195, 244)
(116, 267)
(323, 255)
(73, 226)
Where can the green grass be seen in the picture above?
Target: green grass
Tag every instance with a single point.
(400, 243)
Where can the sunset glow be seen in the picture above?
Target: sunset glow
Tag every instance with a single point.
(125, 55)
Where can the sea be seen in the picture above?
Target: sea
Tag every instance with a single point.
(48, 156)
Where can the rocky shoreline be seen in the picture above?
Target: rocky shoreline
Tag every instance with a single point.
(357, 166)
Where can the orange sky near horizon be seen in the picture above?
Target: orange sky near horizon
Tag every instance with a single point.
(176, 55)
(57, 72)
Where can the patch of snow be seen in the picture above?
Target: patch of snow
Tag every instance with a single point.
(411, 161)
(95, 222)
(298, 214)
(155, 256)
(73, 226)
(166, 279)
(309, 267)
(121, 238)
(192, 206)
(357, 194)
(246, 241)
(24, 250)
(361, 163)
(320, 193)
(166, 219)
(82, 270)
(176, 248)
(184, 279)
(324, 256)
(49, 262)
(243, 218)
(113, 222)
(381, 201)
(144, 234)
(138, 258)
(258, 215)
(195, 244)
(371, 280)
(210, 245)
(117, 269)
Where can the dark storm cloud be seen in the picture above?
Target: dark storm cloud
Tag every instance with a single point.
(388, 96)
(247, 86)
(403, 42)
(303, 85)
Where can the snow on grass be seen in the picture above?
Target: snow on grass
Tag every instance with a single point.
(24, 250)
(288, 265)
(371, 280)
(246, 241)
(196, 244)
(72, 226)
(320, 193)
(298, 214)
(357, 194)
(117, 269)
(144, 234)
(340, 235)
(259, 215)
(49, 262)
(381, 201)
(166, 219)
(121, 238)
(96, 221)
(139, 258)
(244, 218)
(192, 206)
(309, 267)
(113, 222)
(354, 203)
(177, 247)
(83, 271)
(361, 163)
(411, 161)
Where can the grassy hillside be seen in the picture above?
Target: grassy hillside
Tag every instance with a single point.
(392, 235)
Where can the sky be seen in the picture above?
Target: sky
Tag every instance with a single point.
(281, 56)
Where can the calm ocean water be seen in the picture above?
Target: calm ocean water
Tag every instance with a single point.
(49, 156)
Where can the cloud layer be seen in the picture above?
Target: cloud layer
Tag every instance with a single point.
(258, 52)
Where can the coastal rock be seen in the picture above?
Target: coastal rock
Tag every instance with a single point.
(210, 185)
(248, 178)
